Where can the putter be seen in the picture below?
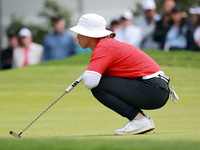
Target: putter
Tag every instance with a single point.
(66, 91)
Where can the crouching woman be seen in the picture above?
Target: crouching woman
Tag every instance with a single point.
(121, 76)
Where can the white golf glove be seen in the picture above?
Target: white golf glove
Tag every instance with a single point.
(173, 95)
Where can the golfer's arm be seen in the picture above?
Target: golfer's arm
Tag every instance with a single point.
(91, 79)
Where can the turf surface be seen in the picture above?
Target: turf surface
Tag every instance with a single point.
(78, 121)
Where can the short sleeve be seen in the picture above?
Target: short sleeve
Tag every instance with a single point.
(101, 59)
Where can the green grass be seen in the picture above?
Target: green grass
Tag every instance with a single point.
(78, 121)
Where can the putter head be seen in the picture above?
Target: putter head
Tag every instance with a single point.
(15, 134)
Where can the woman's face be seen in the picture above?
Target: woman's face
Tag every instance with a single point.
(176, 17)
(84, 41)
(195, 18)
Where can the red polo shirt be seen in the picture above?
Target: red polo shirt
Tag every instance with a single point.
(118, 59)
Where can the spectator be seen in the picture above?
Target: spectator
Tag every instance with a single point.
(29, 53)
(148, 22)
(180, 34)
(58, 44)
(163, 25)
(114, 25)
(128, 32)
(196, 19)
(7, 54)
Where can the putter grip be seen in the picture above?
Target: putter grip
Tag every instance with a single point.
(74, 84)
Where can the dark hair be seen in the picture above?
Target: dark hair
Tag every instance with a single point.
(56, 17)
(12, 33)
(198, 20)
(114, 22)
(181, 25)
(176, 9)
(112, 35)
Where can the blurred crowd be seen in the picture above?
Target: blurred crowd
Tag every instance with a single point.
(22, 51)
(174, 30)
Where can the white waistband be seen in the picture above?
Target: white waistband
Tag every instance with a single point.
(153, 75)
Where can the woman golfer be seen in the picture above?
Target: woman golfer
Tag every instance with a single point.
(121, 76)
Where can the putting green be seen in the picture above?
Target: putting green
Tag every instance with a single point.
(82, 121)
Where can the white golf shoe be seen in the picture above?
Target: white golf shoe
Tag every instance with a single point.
(136, 127)
(151, 120)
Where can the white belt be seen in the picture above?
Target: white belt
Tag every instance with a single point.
(165, 78)
(159, 74)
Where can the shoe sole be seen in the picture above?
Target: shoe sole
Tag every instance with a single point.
(140, 131)
(147, 131)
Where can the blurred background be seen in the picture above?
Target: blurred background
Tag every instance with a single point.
(30, 12)
(146, 17)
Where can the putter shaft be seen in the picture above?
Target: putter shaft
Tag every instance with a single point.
(66, 91)
(42, 113)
